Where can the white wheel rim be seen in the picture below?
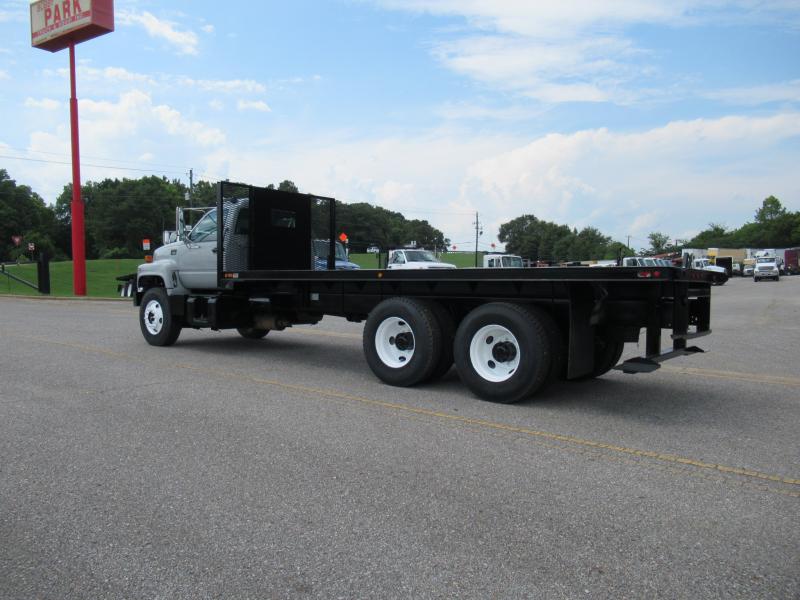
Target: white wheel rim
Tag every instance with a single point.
(394, 342)
(494, 353)
(153, 317)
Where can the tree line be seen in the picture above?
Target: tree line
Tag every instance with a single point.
(544, 241)
(773, 226)
(119, 214)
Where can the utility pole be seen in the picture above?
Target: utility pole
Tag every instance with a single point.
(191, 186)
(628, 245)
(478, 232)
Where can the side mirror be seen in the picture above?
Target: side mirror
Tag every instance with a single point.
(167, 237)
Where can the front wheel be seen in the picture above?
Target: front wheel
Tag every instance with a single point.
(503, 352)
(159, 326)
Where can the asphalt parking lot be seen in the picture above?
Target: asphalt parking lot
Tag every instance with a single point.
(282, 468)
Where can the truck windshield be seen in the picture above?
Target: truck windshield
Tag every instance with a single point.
(419, 256)
(206, 228)
(765, 259)
(512, 261)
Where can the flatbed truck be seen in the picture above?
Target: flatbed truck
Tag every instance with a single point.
(509, 332)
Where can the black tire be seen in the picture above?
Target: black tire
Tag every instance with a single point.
(447, 326)
(503, 351)
(252, 333)
(159, 326)
(607, 353)
(558, 361)
(402, 341)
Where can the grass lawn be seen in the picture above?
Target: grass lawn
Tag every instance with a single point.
(100, 277)
(462, 260)
(101, 274)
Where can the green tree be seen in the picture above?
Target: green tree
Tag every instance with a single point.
(771, 209)
(541, 240)
(119, 214)
(23, 213)
(659, 242)
(204, 193)
(773, 227)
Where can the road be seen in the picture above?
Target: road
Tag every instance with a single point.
(282, 468)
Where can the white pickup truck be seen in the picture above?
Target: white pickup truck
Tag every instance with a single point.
(704, 264)
(415, 259)
(502, 261)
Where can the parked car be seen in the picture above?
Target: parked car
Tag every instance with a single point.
(415, 259)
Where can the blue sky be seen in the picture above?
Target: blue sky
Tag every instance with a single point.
(631, 116)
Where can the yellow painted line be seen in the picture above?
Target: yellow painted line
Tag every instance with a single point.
(505, 427)
(734, 375)
(482, 423)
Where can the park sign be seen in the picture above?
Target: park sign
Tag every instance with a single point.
(58, 24)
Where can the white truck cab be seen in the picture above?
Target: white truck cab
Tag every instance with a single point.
(415, 259)
(704, 264)
(188, 263)
(766, 267)
(502, 261)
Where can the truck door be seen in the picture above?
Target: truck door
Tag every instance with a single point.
(198, 256)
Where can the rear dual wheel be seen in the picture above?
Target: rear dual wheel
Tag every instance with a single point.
(403, 341)
(504, 352)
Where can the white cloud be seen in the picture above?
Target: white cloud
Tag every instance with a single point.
(216, 104)
(224, 86)
(464, 110)
(123, 75)
(785, 91)
(4, 75)
(676, 178)
(257, 105)
(112, 132)
(43, 104)
(135, 112)
(14, 14)
(207, 28)
(108, 75)
(558, 51)
(185, 42)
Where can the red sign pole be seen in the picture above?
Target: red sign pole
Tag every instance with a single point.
(78, 244)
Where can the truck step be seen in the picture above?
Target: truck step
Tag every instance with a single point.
(690, 336)
(648, 364)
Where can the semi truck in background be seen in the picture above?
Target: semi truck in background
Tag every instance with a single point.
(791, 261)
(732, 259)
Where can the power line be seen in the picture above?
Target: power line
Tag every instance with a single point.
(106, 158)
(83, 164)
